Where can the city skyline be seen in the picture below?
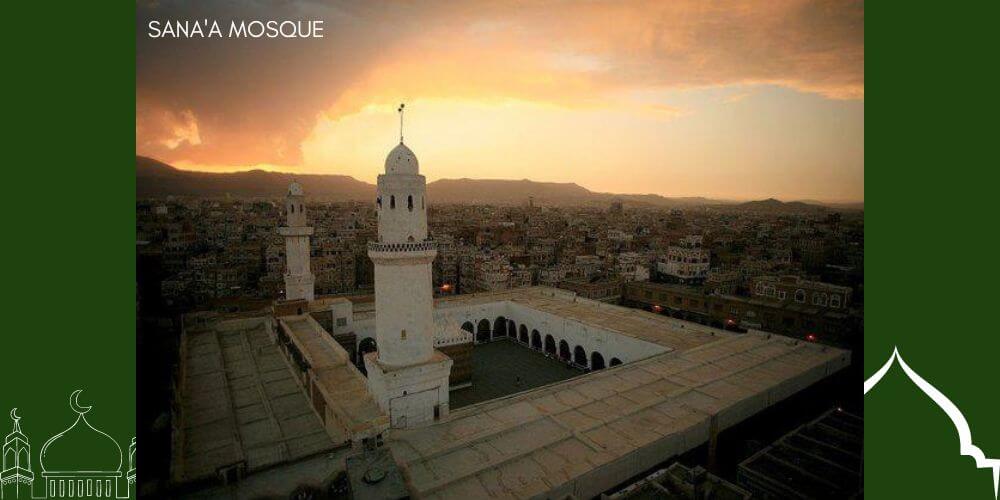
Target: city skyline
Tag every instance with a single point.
(746, 102)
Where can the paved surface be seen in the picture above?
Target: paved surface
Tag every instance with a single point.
(504, 367)
(241, 403)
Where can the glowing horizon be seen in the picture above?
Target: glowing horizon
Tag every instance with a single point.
(657, 102)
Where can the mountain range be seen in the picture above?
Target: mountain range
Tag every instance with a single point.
(155, 179)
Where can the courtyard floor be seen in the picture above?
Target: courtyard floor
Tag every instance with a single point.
(505, 367)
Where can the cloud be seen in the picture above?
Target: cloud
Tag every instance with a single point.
(256, 101)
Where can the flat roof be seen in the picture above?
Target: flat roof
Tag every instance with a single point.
(643, 325)
(587, 434)
(240, 403)
(343, 387)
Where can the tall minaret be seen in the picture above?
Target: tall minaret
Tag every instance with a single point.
(407, 375)
(299, 280)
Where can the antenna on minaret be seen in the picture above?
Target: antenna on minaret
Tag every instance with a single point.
(400, 110)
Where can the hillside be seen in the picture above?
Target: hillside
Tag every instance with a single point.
(155, 179)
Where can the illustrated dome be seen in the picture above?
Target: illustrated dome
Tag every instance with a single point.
(81, 447)
(295, 189)
(401, 160)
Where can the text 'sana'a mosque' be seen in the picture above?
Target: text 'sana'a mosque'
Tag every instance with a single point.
(261, 396)
(79, 462)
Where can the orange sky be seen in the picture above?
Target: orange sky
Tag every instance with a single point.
(681, 98)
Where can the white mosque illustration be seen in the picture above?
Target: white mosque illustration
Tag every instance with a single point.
(79, 462)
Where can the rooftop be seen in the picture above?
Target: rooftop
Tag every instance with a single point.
(240, 403)
(643, 325)
(581, 436)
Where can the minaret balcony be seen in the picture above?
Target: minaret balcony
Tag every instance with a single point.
(414, 249)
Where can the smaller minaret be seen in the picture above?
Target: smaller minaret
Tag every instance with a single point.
(130, 475)
(299, 280)
(16, 477)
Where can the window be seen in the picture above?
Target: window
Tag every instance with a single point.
(835, 301)
(782, 295)
(409, 202)
(800, 295)
(341, 321)
(378, 202)
(402, 335)
(392, 202)
(291, 208)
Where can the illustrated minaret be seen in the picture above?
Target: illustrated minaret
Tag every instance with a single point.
(406, 374)
(299, 280)
(16, 477)
(130, 475)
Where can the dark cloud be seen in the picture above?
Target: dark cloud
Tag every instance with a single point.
(254, 100)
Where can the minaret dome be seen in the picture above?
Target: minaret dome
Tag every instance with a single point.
(401, 160)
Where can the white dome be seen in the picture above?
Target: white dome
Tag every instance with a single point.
(295, 189)
(401, 160)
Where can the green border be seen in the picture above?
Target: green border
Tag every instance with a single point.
(931, 252)
(69, 219)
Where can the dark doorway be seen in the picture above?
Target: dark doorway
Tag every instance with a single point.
(615, 361)
(467, 326)
(596, 361)
(500, 327)
(550, 345)
(580, 356)
(523, 334)
(536, 340)
(564, 351)
(483, 331)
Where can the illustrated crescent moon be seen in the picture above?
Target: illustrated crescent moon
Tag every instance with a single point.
(74, 402)
(13, 414)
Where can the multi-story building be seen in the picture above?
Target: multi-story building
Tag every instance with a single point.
(793, 289)
(492, 272)
(695, 303)
(631, 266)
(685, 262)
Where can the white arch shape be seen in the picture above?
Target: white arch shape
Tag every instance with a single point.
(957, 418)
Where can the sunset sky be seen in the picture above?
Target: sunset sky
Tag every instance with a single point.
(679, 98)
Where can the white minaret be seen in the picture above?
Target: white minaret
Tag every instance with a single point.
(299, 280)
(406, 375)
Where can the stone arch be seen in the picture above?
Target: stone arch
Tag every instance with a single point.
(468, 326)
(536, 340)
(596, 361)
(483, 330)
(499, 327)
(523, 334)
(550, 345)
(615, 362)
(511, 328)
(564, 351)
(580, 356)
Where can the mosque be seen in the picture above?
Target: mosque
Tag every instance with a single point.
(79, 462)
(316, 385)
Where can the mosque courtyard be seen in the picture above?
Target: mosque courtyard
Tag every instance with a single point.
(503, 367)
